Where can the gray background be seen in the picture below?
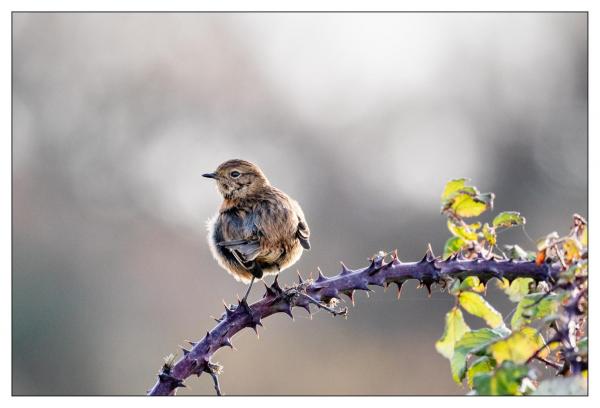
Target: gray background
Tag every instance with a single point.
(360, 117)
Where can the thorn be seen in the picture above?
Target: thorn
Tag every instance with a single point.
(428, 286)
(172, 381)
(253, 327)
(363, 284)
(288, 311)
(269, 292)
(275, 286)
(185, 351)
(306, 307)
(227, 343)
(191, 343)
(399, 284)
(321, 277)
(350, 294)
(228, 311)
(216, 319)
(300, 280)
(345, 270)
(429, 253)
(394, 255)
(207, 336)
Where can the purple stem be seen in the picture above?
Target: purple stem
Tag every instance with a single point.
(428, 271)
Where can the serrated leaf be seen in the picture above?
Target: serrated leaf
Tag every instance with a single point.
(506, 380)
(453, 245)
(452, 187)
(525, 312)
(489, 234)
(454, 329)
(472, 283)
(519, 346)
(574, 385)
(473, 342)
(518, 289)
(477, 306)
(480, 366)
(508, 219)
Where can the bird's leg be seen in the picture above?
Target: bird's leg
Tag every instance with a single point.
(244, 301)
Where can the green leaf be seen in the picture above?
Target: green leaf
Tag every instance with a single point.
(465, 201)
(518, 289)
(455, 328)
(466, 232)
(574, 385)
(465, 205)
(519, 346)
(489, 234)
(506, 380)
(481, 365)
(452, 187)
(473, 342)
(453, 245)
(525, 312)
(582, 345)
(454, 287)
(472, 283)
(477, 305)
(508, 219)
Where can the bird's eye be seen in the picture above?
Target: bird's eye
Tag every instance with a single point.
(235, 174)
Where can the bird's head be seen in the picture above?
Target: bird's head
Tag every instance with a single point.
(237, 179)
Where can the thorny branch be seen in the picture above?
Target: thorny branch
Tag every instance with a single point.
(428, 271)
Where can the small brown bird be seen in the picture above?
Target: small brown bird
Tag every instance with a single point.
(259, 230)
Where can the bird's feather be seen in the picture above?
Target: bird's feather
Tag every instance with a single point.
(244, 250)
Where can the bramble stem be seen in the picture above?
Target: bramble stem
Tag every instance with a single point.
(428, 271)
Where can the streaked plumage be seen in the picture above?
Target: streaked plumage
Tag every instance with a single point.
(259, 230)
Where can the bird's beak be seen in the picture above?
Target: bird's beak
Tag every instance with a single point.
(210, 175)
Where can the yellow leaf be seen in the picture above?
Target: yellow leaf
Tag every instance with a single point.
(452, 187)
(455, 328)
(572, 250)
(476, 305)
(519, 346)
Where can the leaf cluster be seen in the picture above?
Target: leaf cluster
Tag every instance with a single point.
(497, 359)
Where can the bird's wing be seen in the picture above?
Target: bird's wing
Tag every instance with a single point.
(244, 250)
(303, 233)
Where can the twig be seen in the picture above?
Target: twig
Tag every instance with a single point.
(550, 363)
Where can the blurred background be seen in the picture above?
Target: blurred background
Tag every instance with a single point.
(360, 117)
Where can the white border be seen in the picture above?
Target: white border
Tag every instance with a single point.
(320, 5)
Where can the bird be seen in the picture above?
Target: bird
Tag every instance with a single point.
(258, 230)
